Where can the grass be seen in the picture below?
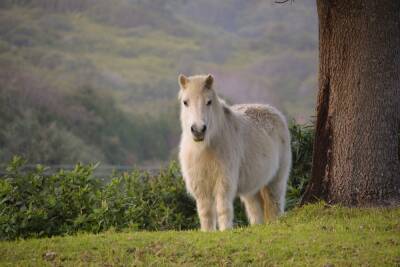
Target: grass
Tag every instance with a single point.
(315, 235)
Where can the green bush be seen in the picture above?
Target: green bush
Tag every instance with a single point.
(302, 138)
(35, 203)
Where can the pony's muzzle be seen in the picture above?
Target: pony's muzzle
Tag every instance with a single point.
(198, 132)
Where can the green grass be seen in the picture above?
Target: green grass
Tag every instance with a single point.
(315, 235)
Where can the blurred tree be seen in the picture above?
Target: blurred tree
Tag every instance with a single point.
(356, 158)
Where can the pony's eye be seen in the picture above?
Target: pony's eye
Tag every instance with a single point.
(208, 102)
(185, 103)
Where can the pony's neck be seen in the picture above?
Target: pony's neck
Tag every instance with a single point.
(223, 123)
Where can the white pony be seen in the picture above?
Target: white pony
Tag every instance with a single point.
(227, 151)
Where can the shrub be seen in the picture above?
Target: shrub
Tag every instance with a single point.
(35, 204)
(302, 138)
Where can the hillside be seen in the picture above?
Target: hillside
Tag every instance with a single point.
(96, 80)
(315, 235)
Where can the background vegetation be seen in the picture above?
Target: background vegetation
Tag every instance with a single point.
(95, 80)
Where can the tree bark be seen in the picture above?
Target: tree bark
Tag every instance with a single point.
(356, 148)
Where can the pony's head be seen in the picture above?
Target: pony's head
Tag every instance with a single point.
(199, 107)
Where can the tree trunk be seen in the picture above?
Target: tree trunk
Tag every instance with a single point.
(356, 148)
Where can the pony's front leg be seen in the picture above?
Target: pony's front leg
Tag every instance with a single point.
(206, 211)
(225, 210)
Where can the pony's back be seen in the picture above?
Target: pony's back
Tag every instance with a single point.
(264, 117)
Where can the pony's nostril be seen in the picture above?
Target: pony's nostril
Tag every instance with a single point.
(197, 130)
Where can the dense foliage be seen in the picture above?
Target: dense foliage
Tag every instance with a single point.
(35, 204)
(71, 201)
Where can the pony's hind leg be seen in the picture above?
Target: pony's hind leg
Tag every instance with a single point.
(270, 205)
(254, 208)
(277, 187)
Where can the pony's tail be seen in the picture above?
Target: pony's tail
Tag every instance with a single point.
(269, 206)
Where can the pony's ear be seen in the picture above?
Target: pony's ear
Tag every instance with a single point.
(209, 81)
(183, 80)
